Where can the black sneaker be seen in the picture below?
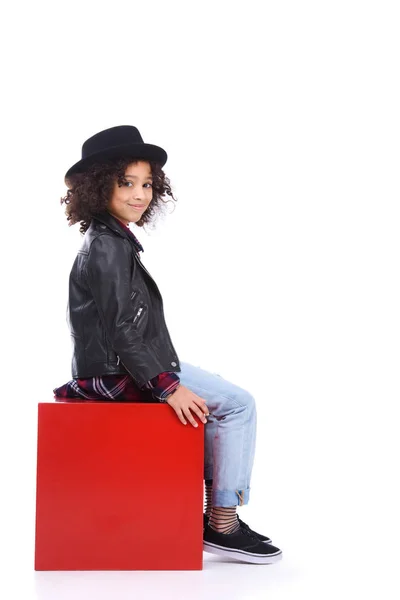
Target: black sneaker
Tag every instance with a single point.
(240, 545)
(262, 538)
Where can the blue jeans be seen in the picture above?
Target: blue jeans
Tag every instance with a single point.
(229, 434)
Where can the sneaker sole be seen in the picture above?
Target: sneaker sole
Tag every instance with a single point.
(243, 555)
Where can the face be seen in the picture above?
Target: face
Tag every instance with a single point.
(129, 201)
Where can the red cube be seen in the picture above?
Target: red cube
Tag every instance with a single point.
(119, 487)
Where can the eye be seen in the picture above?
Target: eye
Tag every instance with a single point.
(126, 182)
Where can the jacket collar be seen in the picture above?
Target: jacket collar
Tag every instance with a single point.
(118, 227)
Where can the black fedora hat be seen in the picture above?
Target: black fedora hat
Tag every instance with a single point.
(123, 140)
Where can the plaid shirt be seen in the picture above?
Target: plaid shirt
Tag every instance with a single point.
(119, 387)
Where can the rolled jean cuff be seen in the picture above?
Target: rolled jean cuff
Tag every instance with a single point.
(230, 498)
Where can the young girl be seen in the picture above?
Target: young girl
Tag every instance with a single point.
(122, 350)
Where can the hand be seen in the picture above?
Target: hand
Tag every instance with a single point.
(183, 401)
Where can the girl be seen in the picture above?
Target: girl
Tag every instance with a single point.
(122, 350)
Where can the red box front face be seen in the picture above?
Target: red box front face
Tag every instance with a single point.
(119, 487)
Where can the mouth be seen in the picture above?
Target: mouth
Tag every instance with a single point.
(137, 206)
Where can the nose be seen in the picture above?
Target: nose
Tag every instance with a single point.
(140, 197)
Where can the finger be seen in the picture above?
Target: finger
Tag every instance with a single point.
(190, 417)
(180, 415)
(200, 414)
(202, 404)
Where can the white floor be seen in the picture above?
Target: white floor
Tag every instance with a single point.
(305, 572)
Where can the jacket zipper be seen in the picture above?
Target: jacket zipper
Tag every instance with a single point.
(162, 308)
(138, 313)
(118, 361)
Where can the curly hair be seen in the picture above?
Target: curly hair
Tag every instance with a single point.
(89, 192)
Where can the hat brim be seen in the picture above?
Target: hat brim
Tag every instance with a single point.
(144, 151)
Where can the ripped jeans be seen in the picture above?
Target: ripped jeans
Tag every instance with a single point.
(229, 434)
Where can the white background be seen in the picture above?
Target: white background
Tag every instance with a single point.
(278, 267)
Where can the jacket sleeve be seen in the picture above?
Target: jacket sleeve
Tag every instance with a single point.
(162, 385)
(108, 275)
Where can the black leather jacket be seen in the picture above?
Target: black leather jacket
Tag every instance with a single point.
(115, 309)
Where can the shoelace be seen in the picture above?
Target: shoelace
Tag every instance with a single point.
(249, 533)
(244, 526)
